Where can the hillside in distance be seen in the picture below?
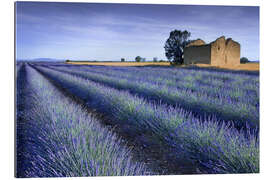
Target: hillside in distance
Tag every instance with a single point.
(42, 59)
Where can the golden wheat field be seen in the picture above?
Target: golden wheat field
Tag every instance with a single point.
(122, 63)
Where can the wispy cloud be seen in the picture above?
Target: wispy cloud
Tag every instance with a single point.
(89, 30)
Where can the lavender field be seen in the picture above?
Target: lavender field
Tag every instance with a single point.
(76, 120)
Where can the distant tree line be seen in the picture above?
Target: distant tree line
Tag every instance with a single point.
(140, 59)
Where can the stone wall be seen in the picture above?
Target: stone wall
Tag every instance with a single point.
(197, 54)
(197, 42)
(220, 52)
(218, 49)
(232, 56)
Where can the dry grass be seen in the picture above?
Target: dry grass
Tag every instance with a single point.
(122, 63)
(247, 67)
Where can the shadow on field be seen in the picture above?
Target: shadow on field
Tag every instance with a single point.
(28, 145)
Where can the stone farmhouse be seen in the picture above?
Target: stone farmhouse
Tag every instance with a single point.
(221, 52)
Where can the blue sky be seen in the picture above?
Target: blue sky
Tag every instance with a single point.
(87, 31)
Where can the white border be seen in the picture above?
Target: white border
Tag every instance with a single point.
(7, 85)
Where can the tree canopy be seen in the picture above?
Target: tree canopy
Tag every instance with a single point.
(244, 60)
(175, 44)
(138, 59)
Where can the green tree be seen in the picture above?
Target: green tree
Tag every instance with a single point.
(244, 60)
(175, 44)
(122, 59)
(155, 59)
(138, 59)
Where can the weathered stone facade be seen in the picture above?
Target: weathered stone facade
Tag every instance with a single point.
(221, 52)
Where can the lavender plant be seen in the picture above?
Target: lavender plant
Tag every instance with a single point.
(240, 113)
(67, 141)
(236, 88)
(22, 152)
(217, 147)
(173, 75)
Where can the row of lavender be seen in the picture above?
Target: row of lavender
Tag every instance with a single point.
(56, 137)
(235, 87)
(202, 93)
(21, 131)
(217, 147)
(174, 76)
